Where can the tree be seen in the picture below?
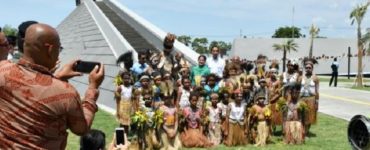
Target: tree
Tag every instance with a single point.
(366, 41)
(314, 31)
(184, 39)
(200, 45)
(357, 14)
(286, 47)
(287, 32)
(8, 30)
(213, 44)
(223, 46)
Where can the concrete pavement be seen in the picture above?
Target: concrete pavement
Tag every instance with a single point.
(343, 102)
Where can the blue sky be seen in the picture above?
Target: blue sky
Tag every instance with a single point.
(214, 19)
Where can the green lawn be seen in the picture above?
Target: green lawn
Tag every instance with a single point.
(342, 79)
(361, 88)
(102, 121)
(329, 133)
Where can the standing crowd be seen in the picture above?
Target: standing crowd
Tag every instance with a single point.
(162, 101)
(165, 103)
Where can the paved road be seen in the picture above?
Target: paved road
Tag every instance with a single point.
(338, 101)
(343, 102)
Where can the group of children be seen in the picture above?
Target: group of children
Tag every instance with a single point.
(167, 110)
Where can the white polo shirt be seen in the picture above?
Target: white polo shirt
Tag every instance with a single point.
(216, 65)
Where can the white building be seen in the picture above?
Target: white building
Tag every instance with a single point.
(328, 47)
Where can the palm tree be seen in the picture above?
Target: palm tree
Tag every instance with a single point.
(314, 31)
(357, 15)
(366, 42)
(286, 46)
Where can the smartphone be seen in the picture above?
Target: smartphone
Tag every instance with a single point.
(86, 66)
(120, 138)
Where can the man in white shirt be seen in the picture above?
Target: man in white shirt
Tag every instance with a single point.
(216, 63)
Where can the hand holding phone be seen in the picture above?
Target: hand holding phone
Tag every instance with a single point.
(67, 71)
(120, 137)
(96, 76)
(85, 66)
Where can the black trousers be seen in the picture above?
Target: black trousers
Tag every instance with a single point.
(334, 75)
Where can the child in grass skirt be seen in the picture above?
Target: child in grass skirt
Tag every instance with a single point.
(236, 121)
(124, 101)
(214, 114)
(294, 111)
(193, 134)
(225, 97)
(150, 130)
(260, 116)
(169, 131)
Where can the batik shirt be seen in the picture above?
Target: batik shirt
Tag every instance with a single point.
(37, 108)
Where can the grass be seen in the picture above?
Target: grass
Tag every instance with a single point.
(361, 88)
(103, 121)
(342, 79)
(349, 83)
(328, 133)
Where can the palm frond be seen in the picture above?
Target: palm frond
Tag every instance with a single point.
(286, 46)
(314, 30)
(358, 13)
(291, 45)
(366, 40)
(278, 47)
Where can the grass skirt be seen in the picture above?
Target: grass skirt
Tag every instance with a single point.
(151, 140)
(124, 112)
(170, 144)
(294, 132)
(311, 114)
(194, 138)
(215, 133)
(236, 135)
(277, 116)
(263, 133)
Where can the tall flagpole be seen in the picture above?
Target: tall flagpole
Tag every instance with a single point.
(293, 22)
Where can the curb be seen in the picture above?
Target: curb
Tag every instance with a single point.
(107, 109)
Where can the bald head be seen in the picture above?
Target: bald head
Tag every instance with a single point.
(4, 46)
(41, 45)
